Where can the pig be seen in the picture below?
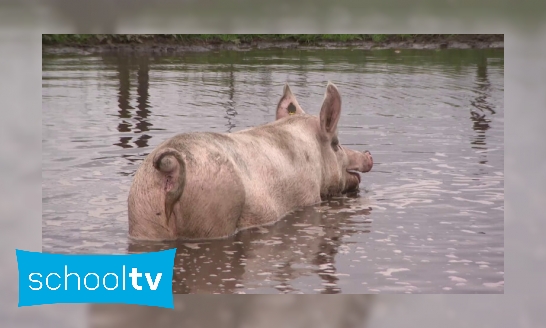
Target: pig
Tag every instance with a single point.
(203, 185)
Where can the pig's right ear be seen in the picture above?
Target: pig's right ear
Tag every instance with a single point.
(288, 105)
(330, 111)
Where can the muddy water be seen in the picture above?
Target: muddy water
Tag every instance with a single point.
(429, 217)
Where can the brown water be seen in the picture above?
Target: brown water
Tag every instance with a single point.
(430, 214)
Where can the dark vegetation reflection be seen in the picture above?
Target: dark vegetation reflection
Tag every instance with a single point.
(230, 105)
(125, 113)
(481, 109)
(289, 249)
(124, 94)
(142, 103)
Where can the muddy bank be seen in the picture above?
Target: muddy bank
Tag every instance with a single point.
(158, 44)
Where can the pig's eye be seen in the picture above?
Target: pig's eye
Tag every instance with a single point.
(335, 143)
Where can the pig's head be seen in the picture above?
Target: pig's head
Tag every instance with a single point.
(340, 165)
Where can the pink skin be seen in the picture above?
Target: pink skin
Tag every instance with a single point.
(358, 162)
(211, 185)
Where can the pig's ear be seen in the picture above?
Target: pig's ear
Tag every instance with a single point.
(288, 105)
(330, 111)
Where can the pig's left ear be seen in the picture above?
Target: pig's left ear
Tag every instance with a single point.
(288, 105)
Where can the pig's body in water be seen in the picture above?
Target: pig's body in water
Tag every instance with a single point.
(211, 185)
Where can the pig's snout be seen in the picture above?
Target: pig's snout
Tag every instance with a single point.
(368, 161)
(359, 161)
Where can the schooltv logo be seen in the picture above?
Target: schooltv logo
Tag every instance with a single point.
(143, 279)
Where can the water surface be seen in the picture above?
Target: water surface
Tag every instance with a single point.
(429, 217)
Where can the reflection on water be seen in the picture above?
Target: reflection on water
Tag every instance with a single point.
(142, 113)
(125, 109)
(481, 109)
(428, 219)
(306, 241)
(123, 99)
(230, 104)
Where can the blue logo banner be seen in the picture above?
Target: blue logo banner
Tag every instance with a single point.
(143, 279)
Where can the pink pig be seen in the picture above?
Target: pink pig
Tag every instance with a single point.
(211, 185)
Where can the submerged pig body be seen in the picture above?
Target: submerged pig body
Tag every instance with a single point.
(211, 185)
